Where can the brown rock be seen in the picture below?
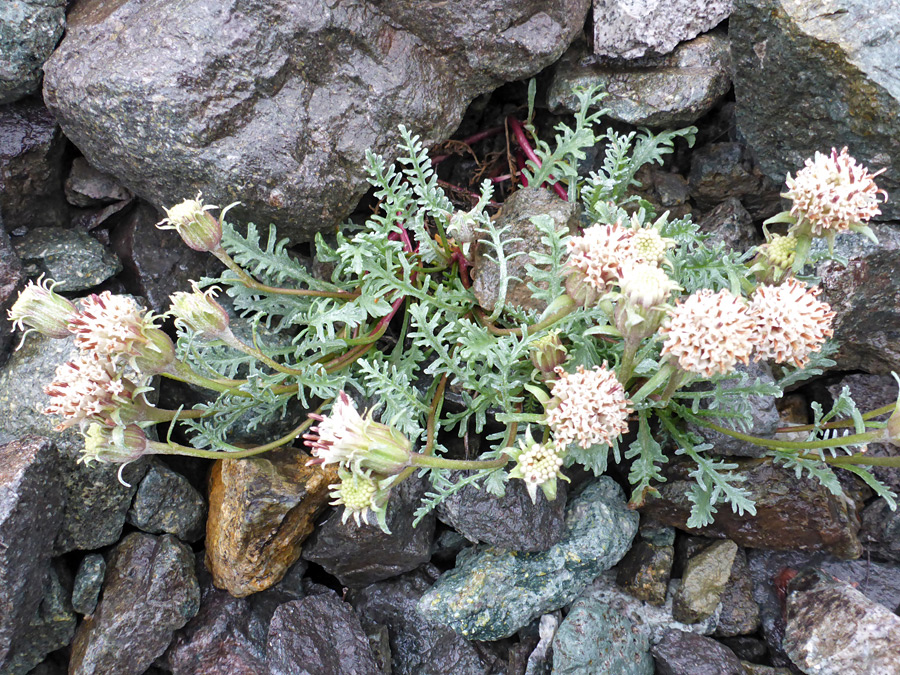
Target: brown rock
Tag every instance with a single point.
(645, 570)
(260, 512)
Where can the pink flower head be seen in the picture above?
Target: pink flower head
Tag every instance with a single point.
(87, 388)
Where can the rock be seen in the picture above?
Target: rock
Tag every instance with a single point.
(791, 513)
(720, 171)
(809, 77)
(864, 298)
(29, 30)
(150, 591)
(319, 634)
(512, 521)
(12, 280)
(275, 107)
(703, 582)
(594, 638)
(880, 533)
(96, 502)
(362, 555)
(86, 186)
(681, 653)
(260, 512)
(88, 582)
(491, 593)
(833, 629)
(31, 165)
(629, 29)
(72, 258)
(740, 613)
(731, 224)
(516, 214)
(746, 648)
(756, 669)
(31, 511)
(645, 571)
(417, 644)
(658, 91)
(166, 503)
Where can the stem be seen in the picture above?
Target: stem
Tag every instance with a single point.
(626, 366)
(854, 439)
(546, 322)
(367, 343)
(184, 373)
(840, 424)
(257, 354)
(861, 459)
(463, 464)
(436, 403)
(162, 415)
(525, 144)
(651, 385)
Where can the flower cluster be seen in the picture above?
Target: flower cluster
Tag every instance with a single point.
(588, 406)
(538, 464)
(199, 229)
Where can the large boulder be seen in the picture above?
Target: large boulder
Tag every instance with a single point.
(29, 30)
(275, 103)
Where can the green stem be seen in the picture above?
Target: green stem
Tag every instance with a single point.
(840, 424)
(841, 441)
(257, 354)
(461, 464)
(436, 403)
(861, 458)
(626, 365)
(565, 309)
(662, 375)
(184, 373)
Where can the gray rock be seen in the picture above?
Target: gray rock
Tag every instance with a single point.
(833, 629)
(756, 669)
(731, 224)
(645, 570)
(12, 280)
(96, 502)
(720, 171)
(361, 555)
(746, 648)
(86, 186)
(491, 593)
(29, 30)
(739, 614)
(880, 532)
(812, 76)
(166, 503)
(72, 258)
(659, 91)
(681, 653)
(594, 638)
(630, 28)
(88, 582)
(31, 166)
(31, 511)
(150, 591)
(275, 107)
(319, 634)
(703, 582)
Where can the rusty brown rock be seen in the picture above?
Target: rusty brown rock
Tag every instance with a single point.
(260, 512)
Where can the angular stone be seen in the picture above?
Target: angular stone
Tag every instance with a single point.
(812, 76)
(880, 533)
(756, 669)
(166, 503)
(703, 582)
(491, 593)
(275, 107)
(833, 629)
(318, 634)
(361, 555)
(740, 613)
(731, 224)
(86, 186)
(12, 280)
(516, 214)
(791, 513)
(150, 591)
(658, 91)
(31, 166)
(645, 571)
(681, 653)
(29, 30)
(88, 582)
(72, 258)
(720, 171)
(260, 512)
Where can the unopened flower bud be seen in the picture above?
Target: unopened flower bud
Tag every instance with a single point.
(114, 445)
(579, 287)
(360, 494)
(40, 309)
(201, 313)
(462, 227)
(548, 352)
(199, 229)
(780, 251)
(649, 246)
(155, 354)
(538, 464)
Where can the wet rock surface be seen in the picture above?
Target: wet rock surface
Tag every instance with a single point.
(645, 571)
(681, 653)
(86, 186)
(88, 582)
(29, 30)
(72, 258)
(12, 280)
(166, 503)
(703, 582)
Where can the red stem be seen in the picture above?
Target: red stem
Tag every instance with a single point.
(522, 139)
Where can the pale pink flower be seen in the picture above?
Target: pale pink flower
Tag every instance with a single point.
(86, 388)
(596, 255)
(588, 406)
(111, 325)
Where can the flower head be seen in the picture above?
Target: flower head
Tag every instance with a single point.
(200, 312)
(200, 230)
(538, 464)
(548, 352)
(709, 332)
(791, 322)
(594, 259)
(360, 495)
(87, 388)
(649, 247)
(588, 406)
(641, 305)
(833, 193)
(40, 309)
(114, 445)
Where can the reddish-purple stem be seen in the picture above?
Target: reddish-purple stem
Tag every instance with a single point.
(522, 139)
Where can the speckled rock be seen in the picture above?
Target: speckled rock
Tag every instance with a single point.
(319, 634)
(724, 170)
(31, 166)
(150, 591)
(87, 186)
(491, 593)
(703, 582)
(645, 571)
(880, 532)
(88, 582)
(72, 258)
(96, 502)
(659, 91)
(166, 503)
(275, 107)
(681, 653)
(739, 614)
(260, 512)
(833, 629)
(812, 76)
(516, 214)
(594, 638)
(12, 280)
(629, 29)
(756, 669)
(731, 224)
(29, 30)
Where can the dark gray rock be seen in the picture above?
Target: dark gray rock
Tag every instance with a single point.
(630, 28)
(96, 502)
(31, 511)
(361, 555)
(833, 629)
(512, 521)
(319, 634)
(166, 503)
(12, 280)
(88, 582)
(29, 30)
(812, 76)
(720, 171)
(703, 582)
(645, 571)
(87, 186)
(31, 166)
(417, 644)
(659, 91)
(746, 648)
(275, 107)
(682, 653)
(731, 224)
(72, 258)
(491, 593)
(150, 591)
(740, 613)
(880, 532)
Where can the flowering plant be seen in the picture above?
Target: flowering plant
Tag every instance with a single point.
(638, 307)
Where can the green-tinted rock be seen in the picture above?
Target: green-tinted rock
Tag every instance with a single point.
(166, 503)
(645, 571)
(595, 639)
(72, 258)
(740, 613)
(490, 593)
(88, 581)
(29, 30)
(703, 582)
